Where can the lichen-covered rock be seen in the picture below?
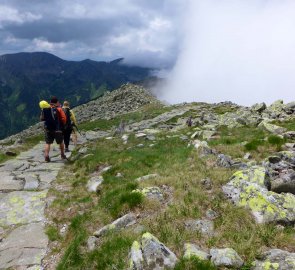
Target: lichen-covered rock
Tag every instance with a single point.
(248, 188)
(275, 259)
(272, 128)
(224, 161)
(227, 257)
(118, 224)
(136, 258)
(203, 226)
(154, 193)
(258, 107)
(192, 250)
(156, 255)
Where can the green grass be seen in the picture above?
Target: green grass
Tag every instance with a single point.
(289, 125)
(181, 169)
(222, 109)
(52, 233)
(194, 263)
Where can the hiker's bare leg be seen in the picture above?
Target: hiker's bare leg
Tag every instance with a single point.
(62, 149)
(75, 138)
(47, 149)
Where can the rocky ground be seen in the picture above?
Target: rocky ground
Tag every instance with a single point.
(154, 193)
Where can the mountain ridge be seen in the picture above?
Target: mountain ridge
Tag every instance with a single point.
(27, 78)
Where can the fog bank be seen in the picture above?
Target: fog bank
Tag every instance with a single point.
(237, 50)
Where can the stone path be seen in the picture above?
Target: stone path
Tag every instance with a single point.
(24, 183)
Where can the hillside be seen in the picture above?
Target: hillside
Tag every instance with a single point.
(155, 194)
(27, 78)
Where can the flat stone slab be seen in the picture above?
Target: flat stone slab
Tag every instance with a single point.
(25, 246)
(22, 207)
(8, 182)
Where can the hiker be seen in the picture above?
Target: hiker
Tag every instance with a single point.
(54, 120)
(68, 128)
(189, 121)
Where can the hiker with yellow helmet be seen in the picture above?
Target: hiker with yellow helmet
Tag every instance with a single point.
(54, 120)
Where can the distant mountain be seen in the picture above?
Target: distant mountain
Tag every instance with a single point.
(27, 78)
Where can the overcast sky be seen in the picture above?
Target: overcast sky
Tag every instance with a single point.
(216, 50)
(145, 32)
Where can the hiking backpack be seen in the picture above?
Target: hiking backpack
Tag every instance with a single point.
(69, 124)
(51, 119)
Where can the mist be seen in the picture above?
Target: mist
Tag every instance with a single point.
(235, 50)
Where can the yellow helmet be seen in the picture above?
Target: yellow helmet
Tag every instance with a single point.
(44, 104)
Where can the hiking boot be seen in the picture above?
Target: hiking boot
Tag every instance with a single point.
(67, 150)
(63, 156)
(47, 159)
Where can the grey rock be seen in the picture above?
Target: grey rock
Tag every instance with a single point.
(289, 135)
(8, 182)
(207, 183)
(147, 177)
(136, 257)
(249, 188)
(203, 226)
(224, 161)
(211, 214)
(118, 224)
(226, 257)
(153, 193)
(275, 259)
(259, 107)
(91, 243)
(93, 183)
(192, 250)
(155, 254)
(247, 156)
(284, 183)
(21, 207)
(24, 246)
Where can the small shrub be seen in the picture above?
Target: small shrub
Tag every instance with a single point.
(52, 233)
(275, 140)
(132, 199)
(253, 145)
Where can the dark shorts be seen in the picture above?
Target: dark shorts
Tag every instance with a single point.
(50, 136)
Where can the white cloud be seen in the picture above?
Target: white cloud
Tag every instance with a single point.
(40, 44)
(12, 15)
(243, 51)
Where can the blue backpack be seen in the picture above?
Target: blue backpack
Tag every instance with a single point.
(51, 120)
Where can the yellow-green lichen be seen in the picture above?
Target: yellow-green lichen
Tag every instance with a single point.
(135, 245)
(270, 266)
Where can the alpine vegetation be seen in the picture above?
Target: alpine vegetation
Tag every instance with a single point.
(151, 186)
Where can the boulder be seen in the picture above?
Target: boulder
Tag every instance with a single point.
(249, 188)
(151, 254)
(285, 182)
(93, 183)
(258, 107)
(272, 128)
(226, 257)
(154, 193)
(276, 259)
(192, 250)
(118, 224)
(203, 226)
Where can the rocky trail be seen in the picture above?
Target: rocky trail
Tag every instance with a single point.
(211, 170)
(24, 184)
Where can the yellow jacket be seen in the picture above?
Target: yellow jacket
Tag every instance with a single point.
(73, 117)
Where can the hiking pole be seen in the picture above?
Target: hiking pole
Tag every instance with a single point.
(77, 129)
